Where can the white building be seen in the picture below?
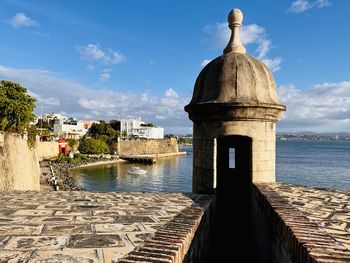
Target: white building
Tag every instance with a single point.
(70, 128)
(149, 132)
(134, 127)
(54, 116)
(127, 125)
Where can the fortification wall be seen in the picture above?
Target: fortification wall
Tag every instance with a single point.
(283, 233)
(46, 150)
(19, 166)
(143, 146)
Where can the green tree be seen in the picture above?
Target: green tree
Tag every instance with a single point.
(73, 144)
(98, 129)
(93, 146)
(16, 107)
(115, 124)
(42, 124)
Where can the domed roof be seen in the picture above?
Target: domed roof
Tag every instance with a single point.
(234, 82)
(235, 78)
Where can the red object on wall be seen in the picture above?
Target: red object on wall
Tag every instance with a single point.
(62, 146)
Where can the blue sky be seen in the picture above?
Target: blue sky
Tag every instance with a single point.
(110, 59)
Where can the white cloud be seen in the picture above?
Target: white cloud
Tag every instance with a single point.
(322, 3)
(299, 6)
(170, 93)
(273, 64)
(21, 20)
(94, 53)
(82, 102)
(205, 62)
(50, 101)
(323, 107)
(105, 74)
(252, 34)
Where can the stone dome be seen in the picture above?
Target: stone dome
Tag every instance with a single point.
(235, 85)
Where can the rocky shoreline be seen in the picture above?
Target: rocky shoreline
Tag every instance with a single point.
(61, 180)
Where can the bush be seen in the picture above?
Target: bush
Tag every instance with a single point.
(61, 158)
(32, 133)
(93, 146)
(73, 144)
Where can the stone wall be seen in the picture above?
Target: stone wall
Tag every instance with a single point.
(186, 238)
(19, 166)
(284, 234)
(144, 146)
(46, 150)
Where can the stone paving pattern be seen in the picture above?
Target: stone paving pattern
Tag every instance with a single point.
(330, 209)
(82, 226)
(297, 215)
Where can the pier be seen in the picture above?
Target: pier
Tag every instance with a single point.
(149, 158)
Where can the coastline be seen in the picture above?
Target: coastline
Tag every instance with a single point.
(99, 163)
(61, 179)
(161, 155)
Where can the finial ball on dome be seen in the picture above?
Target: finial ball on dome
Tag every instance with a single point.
(235, 16)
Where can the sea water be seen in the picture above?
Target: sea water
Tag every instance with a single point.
(323, 164)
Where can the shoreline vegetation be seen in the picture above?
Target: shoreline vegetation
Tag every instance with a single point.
(62, 180)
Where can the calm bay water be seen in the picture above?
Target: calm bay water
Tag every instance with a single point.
(312, 163)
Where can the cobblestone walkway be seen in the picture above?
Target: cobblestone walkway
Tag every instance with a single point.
(330, 209)
(81, 226)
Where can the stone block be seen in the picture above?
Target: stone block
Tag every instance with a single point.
(94, 219)
(14, 256)
(51, 220)
(37, 242)
(72, 213)
(95, 241)
(117, 228)
(20, 230)
(66, 229)
(68, 256)
(33, 212)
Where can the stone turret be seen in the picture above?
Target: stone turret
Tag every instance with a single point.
(234, 110)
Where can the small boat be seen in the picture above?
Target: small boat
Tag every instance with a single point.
(136, 170)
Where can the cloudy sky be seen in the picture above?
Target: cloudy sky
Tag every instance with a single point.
(121, 59)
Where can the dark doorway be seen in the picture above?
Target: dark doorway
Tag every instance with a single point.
(233, 197)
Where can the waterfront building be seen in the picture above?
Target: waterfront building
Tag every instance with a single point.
(70, 128)
(148, 132)
(138, 128)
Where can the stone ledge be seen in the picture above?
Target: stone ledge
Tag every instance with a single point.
(171, 242)
(305, 240)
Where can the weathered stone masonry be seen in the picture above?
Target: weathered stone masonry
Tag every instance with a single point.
(289, 229)
(102, 227)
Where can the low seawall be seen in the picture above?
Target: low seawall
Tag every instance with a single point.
(147, 146)
(19, 165)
